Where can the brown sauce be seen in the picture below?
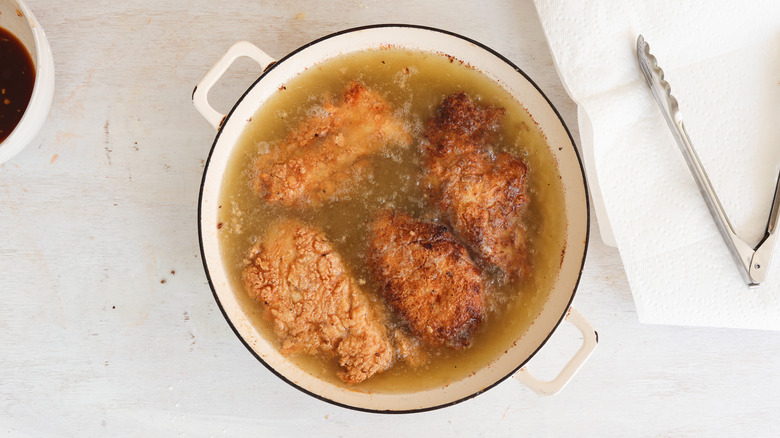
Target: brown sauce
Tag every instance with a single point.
(415, 84)
(17, 76)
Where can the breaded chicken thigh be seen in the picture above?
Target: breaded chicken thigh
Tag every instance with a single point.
(314, 305)
(328, 152)
(481, 194)
(427, 277)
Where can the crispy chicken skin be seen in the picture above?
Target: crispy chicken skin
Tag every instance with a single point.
(460, 122)
(427, 277)
(314, 305)
(327, 153)
(481, 194)
(409, 349)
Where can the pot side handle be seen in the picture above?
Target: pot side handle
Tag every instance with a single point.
(241, 49)
(590, 338)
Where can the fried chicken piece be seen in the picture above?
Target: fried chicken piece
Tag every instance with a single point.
(426, 276)
(323, 157)
(409, 349)
(481, 194)
(460, 122)
(314, 305)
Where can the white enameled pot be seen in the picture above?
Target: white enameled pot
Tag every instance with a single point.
(16, 17)
(554, 311)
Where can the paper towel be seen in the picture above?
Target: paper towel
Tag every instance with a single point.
(722, 60)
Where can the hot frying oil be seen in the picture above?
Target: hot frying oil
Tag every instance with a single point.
(414, 83)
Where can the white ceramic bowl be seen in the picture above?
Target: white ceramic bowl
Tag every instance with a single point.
(16, 17)
(498, 68)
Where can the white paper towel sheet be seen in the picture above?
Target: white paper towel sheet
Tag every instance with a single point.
(722, 60)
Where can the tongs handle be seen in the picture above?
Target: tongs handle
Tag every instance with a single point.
(742, 253)
(752, 263)
(764, 249)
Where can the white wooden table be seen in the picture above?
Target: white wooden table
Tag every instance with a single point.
(108, 326)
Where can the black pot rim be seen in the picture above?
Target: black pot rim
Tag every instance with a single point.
(214, 291)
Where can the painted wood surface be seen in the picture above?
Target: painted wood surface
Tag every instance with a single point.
(108, 326)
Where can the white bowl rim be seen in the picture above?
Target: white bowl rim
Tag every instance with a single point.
(38, 107)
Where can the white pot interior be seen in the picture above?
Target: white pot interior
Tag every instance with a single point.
(498, 69)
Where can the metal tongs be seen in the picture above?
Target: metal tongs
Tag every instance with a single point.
(753, 262)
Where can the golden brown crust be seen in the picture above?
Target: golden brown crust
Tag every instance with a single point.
(460, 122)
(426, 276)
(409, 349)
(482, 195)
(327, 153)
(314, 306)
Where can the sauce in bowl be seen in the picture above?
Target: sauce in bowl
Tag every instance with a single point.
(17, 77)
